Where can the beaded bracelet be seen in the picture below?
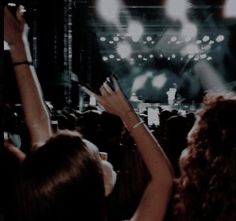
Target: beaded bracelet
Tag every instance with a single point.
(22, 62)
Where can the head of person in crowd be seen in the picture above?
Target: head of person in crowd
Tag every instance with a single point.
(63, 179)
(207, 187)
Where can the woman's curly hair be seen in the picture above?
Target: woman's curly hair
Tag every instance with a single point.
(206, 189)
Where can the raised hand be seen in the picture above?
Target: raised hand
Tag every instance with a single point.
(111, 98)
(15, 29)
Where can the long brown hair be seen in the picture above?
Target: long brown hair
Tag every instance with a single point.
(62, 180)
(207, 186)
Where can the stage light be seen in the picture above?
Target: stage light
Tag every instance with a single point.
(104, 58)
(159, 81)
(211, 42)
(173, 39)
(124, 49)
(189, 31)
(139, 82)
(149, 38)
(115, 38)
(153, 42)
(168, 58)
(118, 59)
(109, 10)
(161, 55)
(190, 49)
(206, 38)
(177, 9)
(111, 56)
(203, 56)
(229, 9)
(135, 30)
(173, 56)
(145, 59)
(220, 38)
(102, 39)
(140, 56)
(151, 56)
(209, 58)
(111, 42)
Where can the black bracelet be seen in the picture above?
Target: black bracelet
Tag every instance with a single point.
(22, 62)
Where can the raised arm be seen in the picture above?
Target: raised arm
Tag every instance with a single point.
(156, 196)
(36, 115)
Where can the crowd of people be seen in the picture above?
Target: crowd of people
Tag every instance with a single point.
(108, 165)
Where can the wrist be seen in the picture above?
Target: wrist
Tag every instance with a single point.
(20, 52)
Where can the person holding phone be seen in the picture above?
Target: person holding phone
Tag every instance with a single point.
(62, 177)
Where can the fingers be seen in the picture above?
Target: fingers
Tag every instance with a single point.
(92, 94)
(20, 13)
(115, 83)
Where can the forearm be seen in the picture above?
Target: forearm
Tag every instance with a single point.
(152, 153)
(36, 115)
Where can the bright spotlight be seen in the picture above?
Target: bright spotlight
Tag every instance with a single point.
(149, 38)
(111, 56)
(135, 30)
(159, 81)
(109, 10)
(151, 56)
(177, 9)
(190, 49)
(102, 39)
(173, 39)
(111, 42)
(220, 38)
(206, 38)
(115, 39)
(104, 58)
(173, 56)
(124, 50)
(189, 30)
(140, 56)
(209, 58)
(203, 56)
(229, 10)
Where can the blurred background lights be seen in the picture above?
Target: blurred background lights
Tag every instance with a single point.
(220, 38)
(229, 9)
(151, 56)
(140, 56)
(189, 30)
(173, 39)
(205, 38)
(115, 38)
(124, 49)
(190, 49)
(111, 56)
(203, 56)
(177, 9)
(135, 30)
(109, 10)
(159, 81)
(102, 39)
(104, 58)
(149, 38)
